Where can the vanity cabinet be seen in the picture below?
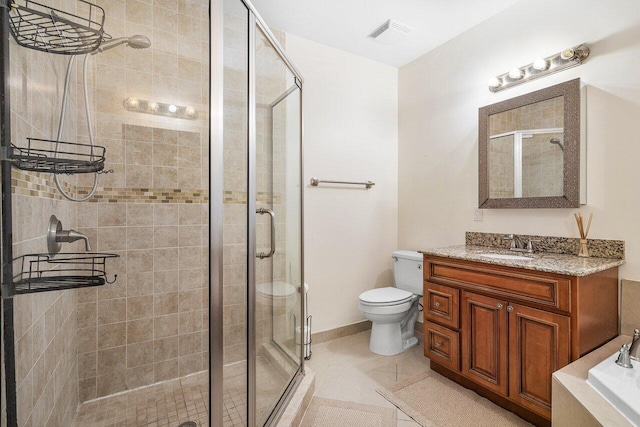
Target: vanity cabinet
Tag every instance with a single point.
(484, 341)
(502, 331)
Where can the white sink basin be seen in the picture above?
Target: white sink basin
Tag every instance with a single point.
(620, 386)
(507, 257)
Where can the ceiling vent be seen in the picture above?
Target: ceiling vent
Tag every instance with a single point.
(391, 32)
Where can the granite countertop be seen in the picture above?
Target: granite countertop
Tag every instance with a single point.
(571, 265)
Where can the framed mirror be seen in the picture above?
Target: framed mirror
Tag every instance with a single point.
(529, 152)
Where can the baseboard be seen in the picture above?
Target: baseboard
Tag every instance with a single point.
(340, 332)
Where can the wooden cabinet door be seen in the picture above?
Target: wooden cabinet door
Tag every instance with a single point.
(538, 346)
(442, 345)
(441, 304)
(484, 341)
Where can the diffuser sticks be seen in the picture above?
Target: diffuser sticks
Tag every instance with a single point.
(584, 249)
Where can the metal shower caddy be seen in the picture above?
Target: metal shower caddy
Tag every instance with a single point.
(47, 29)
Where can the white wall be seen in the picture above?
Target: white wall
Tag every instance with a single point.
(351, 133)
(439, 97)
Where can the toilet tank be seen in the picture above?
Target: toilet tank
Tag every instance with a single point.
(407, 271)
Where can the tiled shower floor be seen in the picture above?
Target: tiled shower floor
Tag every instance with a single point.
(166, 404)
(184, 399)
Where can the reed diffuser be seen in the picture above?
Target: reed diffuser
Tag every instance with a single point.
(584, 249)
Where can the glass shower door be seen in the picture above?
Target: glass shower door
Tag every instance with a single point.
(256, 220)
(278, 227)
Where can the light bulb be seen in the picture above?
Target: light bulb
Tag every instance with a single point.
(516, 74)
(133, 102)
(190, 111)
(568, 54)
(540, 64)
(173, 108)
(153, 106)
(494, 82)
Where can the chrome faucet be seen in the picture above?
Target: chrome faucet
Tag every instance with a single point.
(624, 357)
(517, 244)
(56, 235)
(634, 351)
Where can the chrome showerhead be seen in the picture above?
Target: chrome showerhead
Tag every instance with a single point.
(139, 41)
(136, 41)
(557, 142)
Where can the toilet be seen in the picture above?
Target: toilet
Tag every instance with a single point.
(394, 310)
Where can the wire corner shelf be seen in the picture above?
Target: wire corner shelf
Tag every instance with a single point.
(44, 272)
(69, 157)
(47, 29)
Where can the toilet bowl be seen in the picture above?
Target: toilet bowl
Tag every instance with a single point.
(393, 311)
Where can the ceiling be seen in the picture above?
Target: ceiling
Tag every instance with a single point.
(345, 24)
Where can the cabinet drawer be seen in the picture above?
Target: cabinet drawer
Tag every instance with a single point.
(540, 288)
(442, 345)
(441, 305)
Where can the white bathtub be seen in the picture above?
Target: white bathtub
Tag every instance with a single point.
(620, 386)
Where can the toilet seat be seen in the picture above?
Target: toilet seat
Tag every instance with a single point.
(385, 296)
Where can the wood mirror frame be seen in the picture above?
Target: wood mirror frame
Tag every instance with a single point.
(570, 90)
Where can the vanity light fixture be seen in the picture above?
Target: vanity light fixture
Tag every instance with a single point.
(568, 54)
(516, 74)
(540, 64)
(494, 82)
(568, 58)
(132, 102)
(190, 111)
(158, 108)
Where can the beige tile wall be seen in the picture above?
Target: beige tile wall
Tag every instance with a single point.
(501, 179)
(235, 181)
(542, 162)
(151, 324)
(542, 166)
(271, 83)
(45, 323)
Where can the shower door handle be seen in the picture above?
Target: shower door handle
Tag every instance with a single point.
(272, 216)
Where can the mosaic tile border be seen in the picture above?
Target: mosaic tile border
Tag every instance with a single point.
(598, 248)
(37, 185)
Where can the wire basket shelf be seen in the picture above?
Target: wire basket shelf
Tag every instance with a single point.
(44, 272)
(52, 30)
(69, 157)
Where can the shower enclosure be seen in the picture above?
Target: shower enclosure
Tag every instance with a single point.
(173, 145)
(526, 163)
(260, 182)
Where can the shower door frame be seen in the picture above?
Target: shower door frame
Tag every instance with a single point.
(216, 215)
(6, 289)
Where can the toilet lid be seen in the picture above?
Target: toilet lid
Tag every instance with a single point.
(385, 296)
(277, 289)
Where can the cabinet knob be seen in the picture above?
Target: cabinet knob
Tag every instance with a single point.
(509, 309)
(499, 306)
(437, 304)
(437, 345)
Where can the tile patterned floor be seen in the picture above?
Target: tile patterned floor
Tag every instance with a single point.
(347, 370)
(166, 404)
(184, 399)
